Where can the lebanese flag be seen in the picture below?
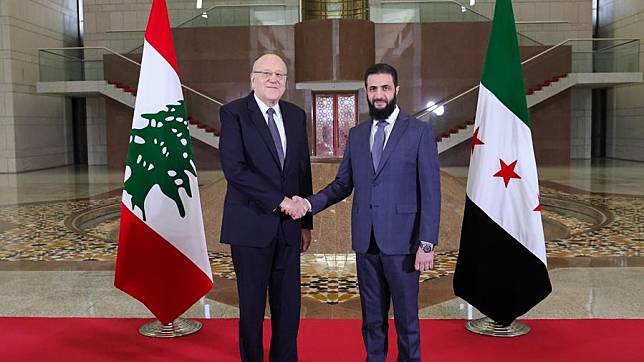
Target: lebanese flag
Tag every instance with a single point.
(162, 259)
(501, 268)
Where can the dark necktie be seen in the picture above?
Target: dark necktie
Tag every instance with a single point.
(378, 144)
(277, 140)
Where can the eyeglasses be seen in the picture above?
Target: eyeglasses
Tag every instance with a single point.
(267, 75)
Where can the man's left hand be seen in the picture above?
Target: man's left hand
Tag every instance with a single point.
(424, 261)
(306, 240)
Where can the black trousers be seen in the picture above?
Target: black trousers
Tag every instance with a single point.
(276, 269)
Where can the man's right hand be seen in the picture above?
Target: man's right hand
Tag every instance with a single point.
(424, 261)
(295, 208)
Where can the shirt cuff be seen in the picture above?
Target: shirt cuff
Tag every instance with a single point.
(309, 205)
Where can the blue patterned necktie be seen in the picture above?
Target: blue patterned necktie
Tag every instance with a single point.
(378, 144)
(277, 140)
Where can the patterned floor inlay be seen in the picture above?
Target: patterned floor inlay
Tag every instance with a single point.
(42, 232)
(331, 278)
(622, 236)
(573, 225)
(42, 235)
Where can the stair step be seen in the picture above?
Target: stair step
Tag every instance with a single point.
(202, 126)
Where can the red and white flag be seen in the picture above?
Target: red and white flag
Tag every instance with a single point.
(162, 258)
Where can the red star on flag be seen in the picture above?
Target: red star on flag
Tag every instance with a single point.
(538, 208)
(507, 172)
(476, 140)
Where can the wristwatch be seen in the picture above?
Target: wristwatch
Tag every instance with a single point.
(426, 246)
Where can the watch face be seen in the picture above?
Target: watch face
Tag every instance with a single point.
(427, 248)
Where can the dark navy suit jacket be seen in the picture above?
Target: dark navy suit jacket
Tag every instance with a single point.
(401, 199)
(256, 184)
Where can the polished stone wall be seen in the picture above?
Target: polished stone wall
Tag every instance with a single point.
(580, 123)
(625, 123)
(35, 130)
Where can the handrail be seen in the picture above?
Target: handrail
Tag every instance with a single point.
(48, 50)
(435, 1)
(92, 48)
(428, 110)
(534, 22)
(61, 55)
(616, 45)
(449, 1)
(627, 40)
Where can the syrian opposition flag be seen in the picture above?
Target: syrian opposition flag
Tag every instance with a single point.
(162, 259)
(501, 268)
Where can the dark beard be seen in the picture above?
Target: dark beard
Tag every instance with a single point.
(382, 114)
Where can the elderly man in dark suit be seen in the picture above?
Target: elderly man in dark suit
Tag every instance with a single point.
(265, 158)
(392, 163)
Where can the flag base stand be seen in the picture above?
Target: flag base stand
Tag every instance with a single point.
(179, 327)
(488, 327)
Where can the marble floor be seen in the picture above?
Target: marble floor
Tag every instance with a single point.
(57, 249)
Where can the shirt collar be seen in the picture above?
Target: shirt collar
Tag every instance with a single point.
(392, 117)
(263, 107)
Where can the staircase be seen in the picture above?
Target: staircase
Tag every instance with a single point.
(455, 127)
(118, 91)
(123, 95)
(451, 133)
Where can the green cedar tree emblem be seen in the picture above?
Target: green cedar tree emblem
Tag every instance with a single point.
(160, 154)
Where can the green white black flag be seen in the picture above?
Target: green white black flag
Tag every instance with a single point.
(501, 268)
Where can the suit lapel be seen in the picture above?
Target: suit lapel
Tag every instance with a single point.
(260, 124)
(364, 148)
(396, 134)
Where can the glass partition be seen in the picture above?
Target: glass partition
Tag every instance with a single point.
(572, 56)
(121, 71)
(419, 11)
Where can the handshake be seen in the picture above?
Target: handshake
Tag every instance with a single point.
(295, 207)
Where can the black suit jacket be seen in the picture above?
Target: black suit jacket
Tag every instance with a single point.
(256, 184)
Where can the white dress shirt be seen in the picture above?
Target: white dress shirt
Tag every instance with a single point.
(277, 117)
(391, 120)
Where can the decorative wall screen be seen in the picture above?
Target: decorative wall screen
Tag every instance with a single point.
(334, 115)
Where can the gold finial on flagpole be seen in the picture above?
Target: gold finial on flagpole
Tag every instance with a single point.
(179, 327)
